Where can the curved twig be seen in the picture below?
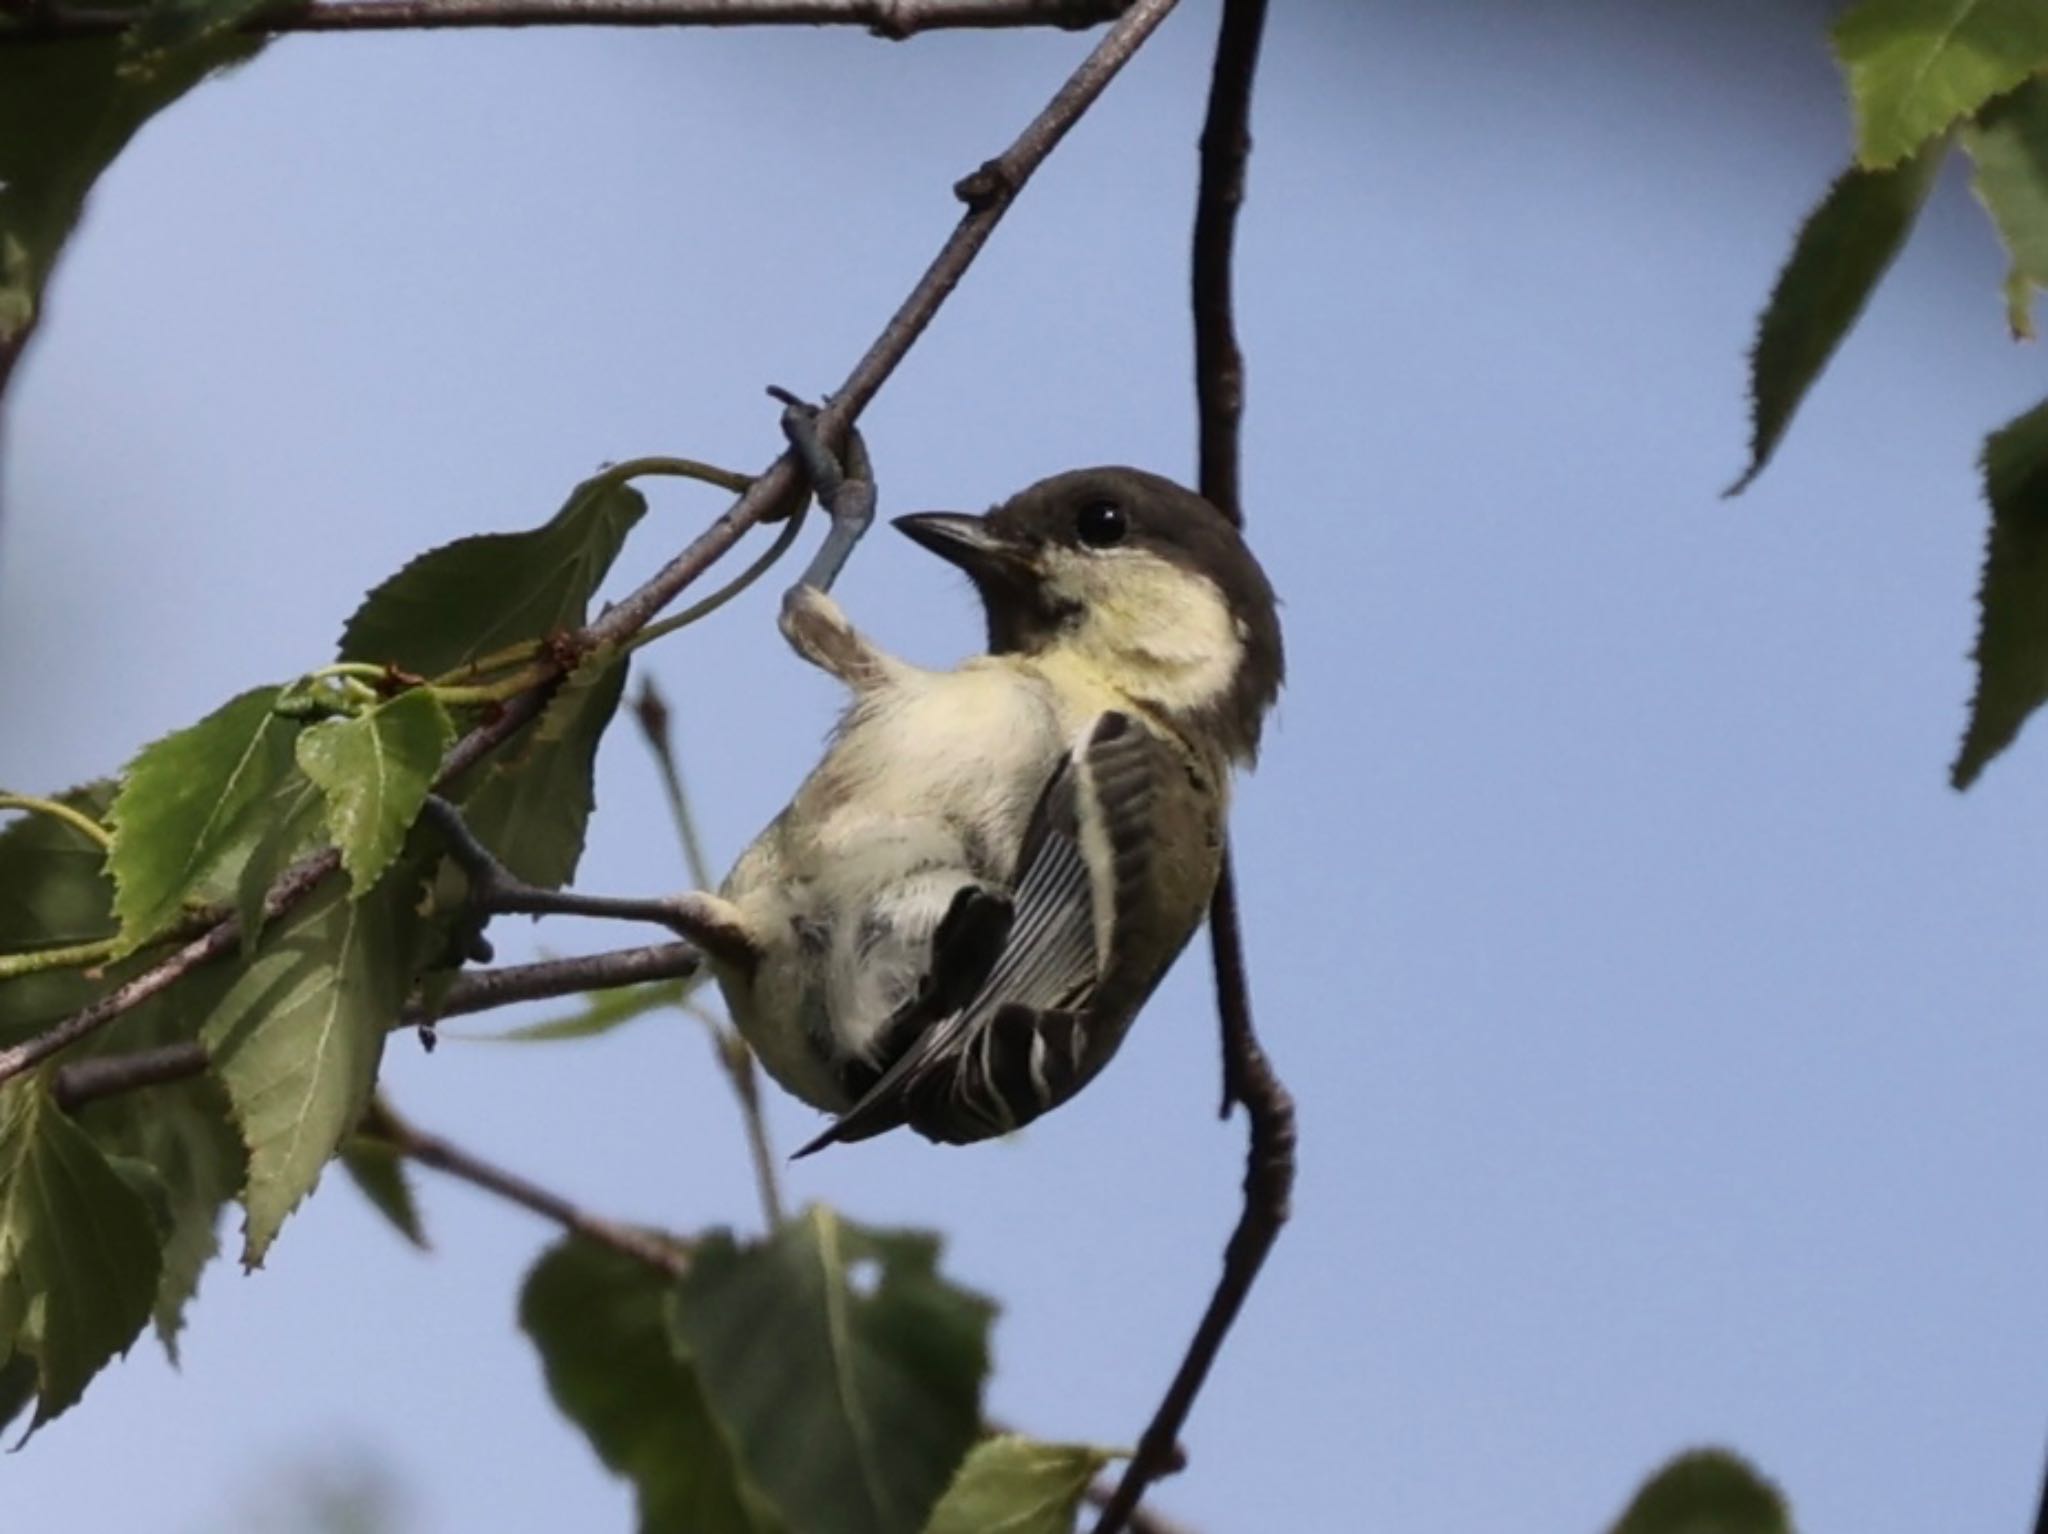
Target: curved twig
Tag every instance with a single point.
(1248, 1076)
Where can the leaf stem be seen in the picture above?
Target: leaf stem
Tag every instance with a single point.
(80, 822)
(732, 588)
(481, 693)
(13, 965)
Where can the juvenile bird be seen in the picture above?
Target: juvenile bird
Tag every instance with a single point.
(956, 919)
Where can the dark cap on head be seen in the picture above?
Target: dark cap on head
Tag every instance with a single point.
(1028, 558)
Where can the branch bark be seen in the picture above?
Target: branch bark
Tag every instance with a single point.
(1248, 1075)
(665, 1254)
(893, 19)
(988, 193)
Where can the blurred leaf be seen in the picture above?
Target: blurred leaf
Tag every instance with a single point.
(848, 1371)
(1917, 66)
(183, 1132)
(1846, 245)
(375, 770)
(17, 1386)
(66, 109)
(168, 27)
(79, 1254)
(379, 1171)
(297, 1040)
(2010, 145)
(187, 802)
(1015, 1485)
(54, 889)
(598, 1319)
(602, 1011)
(466, 599)
(1706, 1491)
(2012, 633)
(54, 893)
(531, 803)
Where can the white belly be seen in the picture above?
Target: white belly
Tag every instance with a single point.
(927, 786)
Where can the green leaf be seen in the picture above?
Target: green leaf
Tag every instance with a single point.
(291, 825)
(2009, 143)
(848, 1371)
(466, 599)
(54, 893)
(1015, 1485)
(379, 1171)
(79, 1254)
(1916, 66)
(183, 1132)
(187, 803)
(602, 1011)
(530, 805)
(375, 770)
(1846, 245)
(2012, 631)
(297, 1040)
(1706, 1491)
(170, 26)
(597, 1318)
(66, 109)
(54, 890)
(17, 1386)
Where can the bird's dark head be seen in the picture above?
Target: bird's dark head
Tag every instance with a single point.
(1134, 577)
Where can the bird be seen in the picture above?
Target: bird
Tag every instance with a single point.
(963, 908)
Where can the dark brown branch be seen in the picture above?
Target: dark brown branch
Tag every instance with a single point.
(85, 1081)
(665, 1254)
(1248, 1076)
(476, 990)
(895, 19)
(1226, 149)
(988, 193)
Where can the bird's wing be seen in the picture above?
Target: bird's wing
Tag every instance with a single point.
(1016, 1044)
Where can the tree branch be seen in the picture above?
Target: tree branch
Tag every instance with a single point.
(988, 194)
(892, 19)
(1248, 1076)
(478, 990)
(665, 1254)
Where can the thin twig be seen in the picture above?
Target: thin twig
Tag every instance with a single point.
(651, 713)
(894, 19)
(665, 1254)
(988, 194)
(1248, 1076)
(735, 1058)
(1141, 1520)
(737, 1061)
(477, 990)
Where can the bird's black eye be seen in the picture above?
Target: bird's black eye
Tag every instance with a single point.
(1101, 524)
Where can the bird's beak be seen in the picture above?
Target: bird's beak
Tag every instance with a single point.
(968, 542)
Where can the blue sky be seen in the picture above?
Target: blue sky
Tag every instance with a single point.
(1668, 1036)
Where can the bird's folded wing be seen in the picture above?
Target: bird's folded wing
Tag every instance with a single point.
(1018, 1045)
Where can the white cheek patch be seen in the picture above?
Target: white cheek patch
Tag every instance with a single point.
(1163, 633)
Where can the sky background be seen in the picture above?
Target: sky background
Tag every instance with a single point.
(1669, 1039)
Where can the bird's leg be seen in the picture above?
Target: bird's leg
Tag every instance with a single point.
(494, 890)
(847, 492)
(811, 621)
